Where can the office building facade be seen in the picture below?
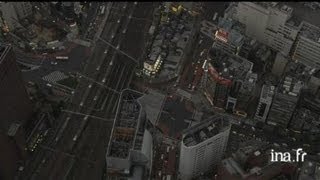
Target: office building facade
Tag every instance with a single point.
(203, 146)
(270, 23)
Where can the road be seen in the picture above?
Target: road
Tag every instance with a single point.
(77, 57)
(77, 148)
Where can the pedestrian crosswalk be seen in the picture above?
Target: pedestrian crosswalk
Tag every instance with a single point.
(55, 76)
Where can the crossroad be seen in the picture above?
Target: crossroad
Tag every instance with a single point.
(85, 125)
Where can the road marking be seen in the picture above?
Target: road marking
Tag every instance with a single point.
(87, 115)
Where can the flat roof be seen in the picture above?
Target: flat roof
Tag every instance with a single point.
(205, 130)
(229, 65)
(291, 85)
(310, 31)
(299, 10)
(126, 125)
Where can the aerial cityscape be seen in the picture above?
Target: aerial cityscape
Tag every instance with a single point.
(160, 90)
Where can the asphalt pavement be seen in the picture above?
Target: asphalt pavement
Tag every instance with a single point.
(79, 143)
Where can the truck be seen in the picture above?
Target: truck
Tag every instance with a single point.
(103, 8)
(62, 58)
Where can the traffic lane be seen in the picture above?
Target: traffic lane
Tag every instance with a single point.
(68, 131)
(85, 148)
(76, 57)
(107, 32)
(82, 132)
(112, 79)
(98, 79)
(113, 96)
(134, 45)
(97, 136)
(117, 54)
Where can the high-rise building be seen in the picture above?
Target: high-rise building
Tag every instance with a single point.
(233, 94)
(203, 146)
(229, 36)
(264, 102)
(15, 105)
(307, 114)
(252, 162)
(223, 70)
(279, 64)
(246, 92)
(129, 153)
(284, 102)
(278, 26)
(68, 11)
(307, 46)
(12, 12)
(271, 23)
(309, 170)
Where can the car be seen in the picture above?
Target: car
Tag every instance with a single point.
(81, 104)
(104, 80)
(98, 68)
(95, 98)
(276, 144)
(31, 83)
(118, 21)
(110, 64)
(118, 46)
(90, 85)
(106, 51)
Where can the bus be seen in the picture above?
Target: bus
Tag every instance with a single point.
(62, 58)
(102, 10)
(215, 16)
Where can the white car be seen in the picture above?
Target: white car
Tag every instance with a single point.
(81, 104)
(104, 80)
(95, 98)
(98, 68)
(105, 52)
(90, 85)
(118, 21)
